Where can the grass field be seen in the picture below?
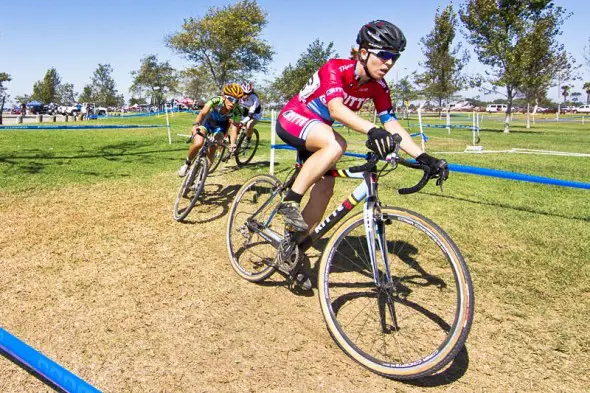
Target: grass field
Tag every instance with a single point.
(527, 245)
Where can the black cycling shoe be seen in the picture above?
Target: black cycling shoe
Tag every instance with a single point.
(303, 281)
(293, 219)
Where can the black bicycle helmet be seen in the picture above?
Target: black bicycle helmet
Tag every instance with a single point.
(380, 34)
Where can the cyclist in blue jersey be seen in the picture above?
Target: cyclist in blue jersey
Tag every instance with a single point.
(217, 116)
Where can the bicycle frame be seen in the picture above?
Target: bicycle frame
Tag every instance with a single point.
(366, 191)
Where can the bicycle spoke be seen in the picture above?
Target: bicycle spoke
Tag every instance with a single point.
(251, 253)
(406, 320)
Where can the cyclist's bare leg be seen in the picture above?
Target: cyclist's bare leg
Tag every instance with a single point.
(328, 146)
(250, 127)
(319, 197)
(233, 135)
(197, 142)
(213, 148)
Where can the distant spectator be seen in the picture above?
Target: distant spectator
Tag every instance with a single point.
(23, 109)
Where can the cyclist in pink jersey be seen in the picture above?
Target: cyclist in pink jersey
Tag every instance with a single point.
(334, 93)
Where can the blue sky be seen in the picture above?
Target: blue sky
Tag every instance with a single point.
(74, 37)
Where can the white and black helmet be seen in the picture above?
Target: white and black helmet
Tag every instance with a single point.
(248, 87)
(380, 34)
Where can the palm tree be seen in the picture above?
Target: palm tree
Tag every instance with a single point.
(565, 91)
(587, 88)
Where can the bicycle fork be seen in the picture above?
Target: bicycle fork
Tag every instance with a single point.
(375, 235)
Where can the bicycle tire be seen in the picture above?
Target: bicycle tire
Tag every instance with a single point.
(423, 337)
(191, 188)
(252, 264)
(244, 155)
(217, 157)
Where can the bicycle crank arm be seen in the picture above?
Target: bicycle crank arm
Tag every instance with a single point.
(266, 233)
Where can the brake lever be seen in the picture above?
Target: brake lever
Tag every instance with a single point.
(439, 182)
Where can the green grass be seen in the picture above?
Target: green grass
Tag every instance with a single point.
(527, 244)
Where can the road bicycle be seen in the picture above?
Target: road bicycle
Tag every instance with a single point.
(194, 181)
(394, 289)
(244, 153)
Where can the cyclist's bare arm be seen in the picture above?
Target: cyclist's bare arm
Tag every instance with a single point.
(344, 115)
(407, 144)
(202, 114)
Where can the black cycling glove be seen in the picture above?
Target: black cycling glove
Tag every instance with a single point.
(438, 168)
(381, 141)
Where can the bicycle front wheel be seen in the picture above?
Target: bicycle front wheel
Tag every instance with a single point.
(416, 318)
(254, 230)
(245, 151)
(217, 157)
(191, 188)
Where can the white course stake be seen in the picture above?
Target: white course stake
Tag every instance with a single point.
(168, 125)
(272, 141)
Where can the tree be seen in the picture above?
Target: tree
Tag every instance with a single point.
(65, 94)
(4, 77)
(87, 94)
(442, 77)
(502, 33)
(587, 89)
(403, 91)
(564, 70)
(227, 40)
(137, 100)
(293, 78)
(538, 67)
(101, 90)
(23, 99)
(565, 91)
(157, 78)
(197, 83)
(576, 96)
(46, 90)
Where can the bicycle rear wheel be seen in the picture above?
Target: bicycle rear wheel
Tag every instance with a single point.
(412, 324)
(191, 188)
(245, 152)
(252, 239)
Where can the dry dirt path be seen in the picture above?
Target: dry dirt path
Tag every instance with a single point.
(102, 280)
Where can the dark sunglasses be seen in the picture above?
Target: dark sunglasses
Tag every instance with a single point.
(231, 99)
(385, 55)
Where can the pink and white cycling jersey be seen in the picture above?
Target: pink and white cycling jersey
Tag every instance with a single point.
(337, 78)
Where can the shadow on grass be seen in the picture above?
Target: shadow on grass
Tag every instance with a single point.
(30, 161)
(507, 206)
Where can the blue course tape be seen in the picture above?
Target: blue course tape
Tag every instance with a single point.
(77, 127)
(443, 126)
(487, 172)
(517, 176)
(419, 134)
(41, 366)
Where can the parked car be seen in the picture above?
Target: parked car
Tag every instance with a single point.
(90, 109)
(541, 109)
(582, 109)
(461, 106)
(43, 109)
(567, 109)
(491, 108)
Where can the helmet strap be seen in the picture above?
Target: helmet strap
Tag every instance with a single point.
(364, 64)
